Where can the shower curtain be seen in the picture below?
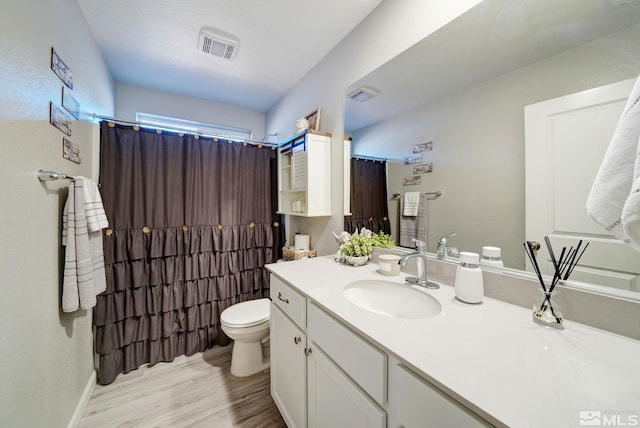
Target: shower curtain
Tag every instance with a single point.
(369, 205)
(193, 223)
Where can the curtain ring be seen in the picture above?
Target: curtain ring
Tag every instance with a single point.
(385, 218)
(146, 229)
(185, 228)
(108, 232)
(158, 131)
(259, 146)
(215, 139)
(196, 137)
(245, 144)
(273, 147)
(111, 125)
(180, 134)
(251, 225)
(229, 141)
(136, 128)
(220, 227)
(276, 224)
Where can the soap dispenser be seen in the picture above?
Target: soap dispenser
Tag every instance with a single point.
(469, 287)
(491, 257)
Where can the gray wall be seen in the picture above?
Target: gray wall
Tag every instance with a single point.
(47, 355)
(478, 143)
(390, 29)
(134, 99)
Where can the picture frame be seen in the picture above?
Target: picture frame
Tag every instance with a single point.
(314, 119)
(413, 159)
(70, 151)
(60, 69)
(413, 180)
(423, 169)
(423, 147)
(59, 118)
(70, 103)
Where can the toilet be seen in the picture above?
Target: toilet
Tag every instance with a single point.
(247, 323)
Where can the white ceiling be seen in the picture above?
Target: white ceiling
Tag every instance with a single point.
(153, 44)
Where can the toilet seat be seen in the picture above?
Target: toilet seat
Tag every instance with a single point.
(246, 314)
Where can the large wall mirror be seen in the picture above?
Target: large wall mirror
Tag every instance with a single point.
(464, 89)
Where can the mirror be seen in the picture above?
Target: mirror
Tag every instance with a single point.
(464, 88)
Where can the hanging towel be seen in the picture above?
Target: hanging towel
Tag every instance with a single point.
(411, 204)
(631, 209)
(84, 276)
(413, 226)
(612, 188)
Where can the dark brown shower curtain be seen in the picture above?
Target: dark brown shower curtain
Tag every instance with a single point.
(193, 223)
(369, 205)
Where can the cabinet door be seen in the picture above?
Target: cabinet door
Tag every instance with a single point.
(334, 400)
(420, 404)
(288, 373)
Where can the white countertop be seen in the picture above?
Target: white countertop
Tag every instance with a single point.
(490, 356)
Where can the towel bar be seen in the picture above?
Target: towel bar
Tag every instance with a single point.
(435, 194)
(52, 176)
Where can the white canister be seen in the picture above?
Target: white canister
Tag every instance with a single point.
(469, 286)
(301, 242)
(491, 257)
(388, 264)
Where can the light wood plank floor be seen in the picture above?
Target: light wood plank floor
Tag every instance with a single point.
(196, 391)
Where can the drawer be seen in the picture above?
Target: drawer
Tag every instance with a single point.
(292, 303)
(359, 359)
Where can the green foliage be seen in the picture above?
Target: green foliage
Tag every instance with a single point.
(357, 245)
(382, 240)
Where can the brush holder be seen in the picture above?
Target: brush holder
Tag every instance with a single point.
(547, 309)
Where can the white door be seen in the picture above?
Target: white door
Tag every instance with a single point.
(565, 142)
(288, 369)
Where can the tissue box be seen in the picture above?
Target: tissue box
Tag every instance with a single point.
(290, 253)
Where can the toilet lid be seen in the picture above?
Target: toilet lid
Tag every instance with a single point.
(247, 313)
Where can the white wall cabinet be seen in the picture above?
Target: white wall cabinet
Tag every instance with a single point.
(304, 175)
(324, 375)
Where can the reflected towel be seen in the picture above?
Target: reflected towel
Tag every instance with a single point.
(612, 189)
(413, 226)
(84, 275)
(411, 203)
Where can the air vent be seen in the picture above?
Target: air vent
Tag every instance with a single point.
(363, 93)
(218, 45)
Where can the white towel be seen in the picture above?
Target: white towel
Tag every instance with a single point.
(411, 204)
(631, 209)
(612, 186)
(84, 276)
(413, 226)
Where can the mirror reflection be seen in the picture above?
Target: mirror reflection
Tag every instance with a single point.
(454, 104)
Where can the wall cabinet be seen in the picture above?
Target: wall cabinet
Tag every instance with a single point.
(304, 175)
(324, 375)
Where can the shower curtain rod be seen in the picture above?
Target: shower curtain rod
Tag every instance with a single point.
(119, 121)
(371, 158)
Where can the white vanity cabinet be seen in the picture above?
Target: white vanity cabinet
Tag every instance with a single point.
(325, 375)
(304, 175)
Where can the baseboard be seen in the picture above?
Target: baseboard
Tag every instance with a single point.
(84, 400)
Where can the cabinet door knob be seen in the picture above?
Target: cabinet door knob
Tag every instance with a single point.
(307, 351)
(297, 340)
(282, 299)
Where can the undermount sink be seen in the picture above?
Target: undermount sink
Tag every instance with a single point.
(392, 299)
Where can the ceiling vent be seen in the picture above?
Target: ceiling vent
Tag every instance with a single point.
(363, 93)
(216, 44)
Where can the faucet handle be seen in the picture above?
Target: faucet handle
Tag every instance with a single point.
(420, 245)
(444, 239)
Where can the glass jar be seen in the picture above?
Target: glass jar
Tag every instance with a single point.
(547, 309)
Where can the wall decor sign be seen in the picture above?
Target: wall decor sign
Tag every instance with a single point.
(59, 119)
(413, 159)
(70, 151)
(69, 103)
(314, 119)
(60, 69)
(424, 147)
(423, 169)
(412, 180)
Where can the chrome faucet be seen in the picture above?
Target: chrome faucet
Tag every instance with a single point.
(421, 261)
(443, 248)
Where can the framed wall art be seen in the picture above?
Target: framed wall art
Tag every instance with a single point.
(314, 119)
(59, 119)
(70, 151)
(60, 69)
(69, 103)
